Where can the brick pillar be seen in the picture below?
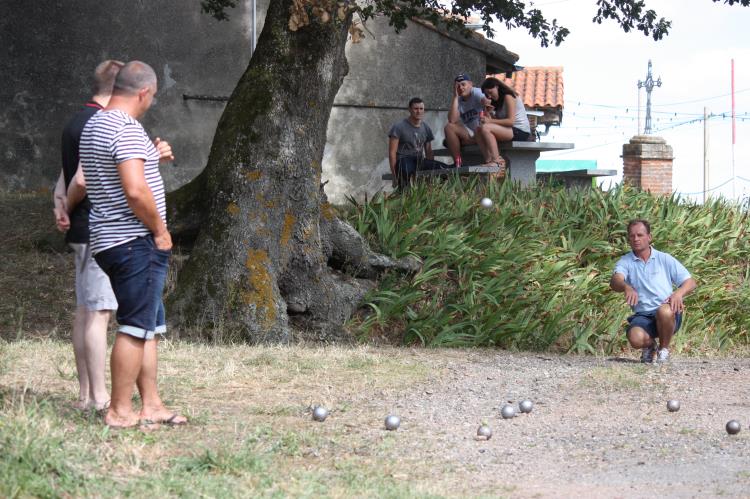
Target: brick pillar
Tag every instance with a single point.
(647, 164)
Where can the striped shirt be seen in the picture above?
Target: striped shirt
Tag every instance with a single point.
(110, 138)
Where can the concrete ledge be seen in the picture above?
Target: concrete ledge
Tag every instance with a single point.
(445, 172)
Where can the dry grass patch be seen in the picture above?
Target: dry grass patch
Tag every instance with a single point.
(250, 430)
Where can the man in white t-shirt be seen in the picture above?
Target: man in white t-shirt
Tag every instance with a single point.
(467, 104)
(129, 238)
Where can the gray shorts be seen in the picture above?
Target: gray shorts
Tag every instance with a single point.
(93, 290)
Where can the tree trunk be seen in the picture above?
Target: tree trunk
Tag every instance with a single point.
(260, 259)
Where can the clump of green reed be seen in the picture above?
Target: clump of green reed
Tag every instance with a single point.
(533, 271)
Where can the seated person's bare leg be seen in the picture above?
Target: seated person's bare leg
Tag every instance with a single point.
(455, 135)
(494, 134)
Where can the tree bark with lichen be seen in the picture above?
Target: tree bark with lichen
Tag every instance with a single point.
(264, 232)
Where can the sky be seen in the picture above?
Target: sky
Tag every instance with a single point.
(601, 69)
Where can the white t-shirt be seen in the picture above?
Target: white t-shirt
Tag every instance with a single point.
(469, 109)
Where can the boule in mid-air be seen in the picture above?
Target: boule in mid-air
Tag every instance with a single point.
(486, 203)
(525, 406)
(673, 405)
(508, 411)
(392, 422)
(319, 413)
(733, 427)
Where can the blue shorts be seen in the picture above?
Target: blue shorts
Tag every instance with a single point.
(647, 322)
(138, 272)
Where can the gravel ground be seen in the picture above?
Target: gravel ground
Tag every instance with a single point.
(599, 427)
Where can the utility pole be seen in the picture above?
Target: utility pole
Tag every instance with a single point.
(705, 154)
(649, 85)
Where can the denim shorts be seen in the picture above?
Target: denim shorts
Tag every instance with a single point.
(647, 321)
(138, 272)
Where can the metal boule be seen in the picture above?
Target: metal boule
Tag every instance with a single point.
(508, 411)
(733, 427)
(525, 406)
(673, 405)
(392, 422)
(320, 413)
(486, 203)
(484, 431)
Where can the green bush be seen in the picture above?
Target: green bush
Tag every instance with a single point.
(532, 272)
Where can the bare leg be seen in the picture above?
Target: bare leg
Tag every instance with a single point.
(153, 407)
(79, 352)
(451, 138)
(639, 338)
(95, 343)
(665, 321)
(125, 363)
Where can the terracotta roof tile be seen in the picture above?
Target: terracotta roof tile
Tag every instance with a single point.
(540, 87)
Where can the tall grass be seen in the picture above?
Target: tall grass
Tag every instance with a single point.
(533, 271)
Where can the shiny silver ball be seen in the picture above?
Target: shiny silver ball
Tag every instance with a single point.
(320, 413)
(525, 406)
(733, 427)
(486, 203)
(484, 431)
(392, 422)
(508, 411)
(673, 405)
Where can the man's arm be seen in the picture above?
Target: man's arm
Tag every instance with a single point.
(675, 300)
(76, 189)
(59, 198)
(392, 149)
(141, 201)
(453, 116)
(428, 151)
(617, 283)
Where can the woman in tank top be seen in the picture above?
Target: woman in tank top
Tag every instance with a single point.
(504, 120)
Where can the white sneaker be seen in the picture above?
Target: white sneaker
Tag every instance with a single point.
(647, 354)
(663, 356)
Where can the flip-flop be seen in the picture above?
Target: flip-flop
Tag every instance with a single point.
(172, 420)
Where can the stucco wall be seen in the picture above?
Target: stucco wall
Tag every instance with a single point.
(386, 69)
(52, 49)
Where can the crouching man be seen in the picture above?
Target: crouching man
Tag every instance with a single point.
(647, 277)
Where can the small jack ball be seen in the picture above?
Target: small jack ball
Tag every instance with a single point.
(733, 427)
(320, 413)
(392, 422)
(486, 203)
(673, 405)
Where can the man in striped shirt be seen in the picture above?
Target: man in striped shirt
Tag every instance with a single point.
(129, 238)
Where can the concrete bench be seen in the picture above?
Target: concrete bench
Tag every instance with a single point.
(521, 157)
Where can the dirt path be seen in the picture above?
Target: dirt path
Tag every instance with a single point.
(599, 428)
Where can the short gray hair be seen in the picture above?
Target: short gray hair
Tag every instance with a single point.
(135, 76)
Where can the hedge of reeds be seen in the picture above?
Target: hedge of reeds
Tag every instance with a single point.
(533, 271)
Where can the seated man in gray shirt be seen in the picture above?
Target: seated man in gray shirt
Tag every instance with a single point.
(409, 146)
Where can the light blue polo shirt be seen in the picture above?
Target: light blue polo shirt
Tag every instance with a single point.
(653, 280)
